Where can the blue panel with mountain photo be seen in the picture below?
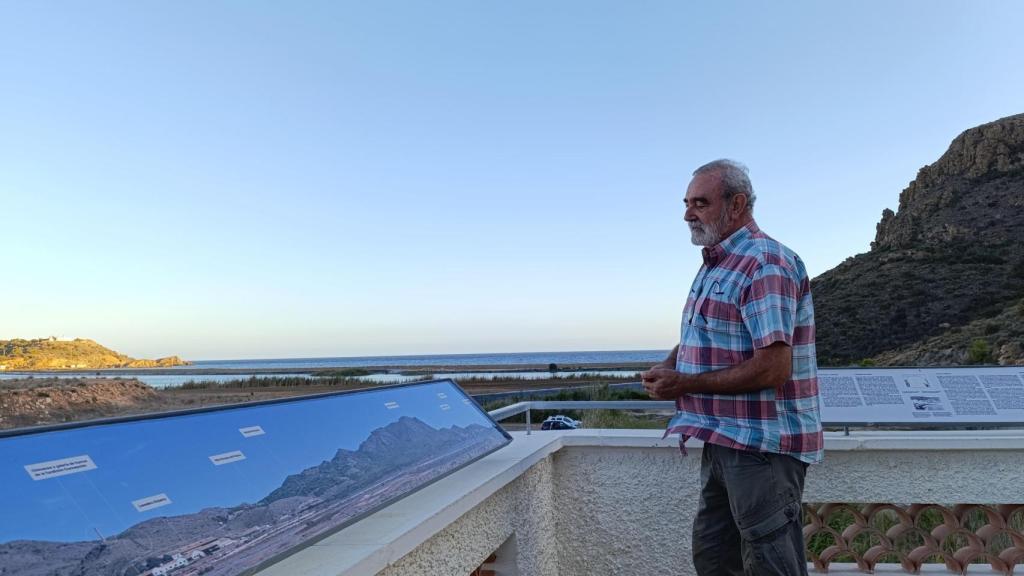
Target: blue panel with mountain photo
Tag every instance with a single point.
(221, 492)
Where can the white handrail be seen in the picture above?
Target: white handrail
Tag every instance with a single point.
(503, 413)
(520, 407)
(500, 414)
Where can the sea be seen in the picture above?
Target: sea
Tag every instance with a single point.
(510, 359)
(300, 367)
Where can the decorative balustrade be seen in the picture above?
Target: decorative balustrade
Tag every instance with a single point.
(914, 535)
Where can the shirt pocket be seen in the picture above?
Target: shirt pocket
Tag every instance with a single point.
(718, 309)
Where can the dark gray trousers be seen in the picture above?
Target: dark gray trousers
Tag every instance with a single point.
(749, 520)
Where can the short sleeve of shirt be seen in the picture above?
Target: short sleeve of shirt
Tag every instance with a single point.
(769, 305)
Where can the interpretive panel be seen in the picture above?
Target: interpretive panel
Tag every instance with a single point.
(225, 491)
(922, 396)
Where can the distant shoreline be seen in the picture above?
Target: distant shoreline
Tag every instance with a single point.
(86, 358)
(391, 368)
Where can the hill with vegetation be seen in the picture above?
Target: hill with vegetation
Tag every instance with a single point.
(944, 279)
(80, 353)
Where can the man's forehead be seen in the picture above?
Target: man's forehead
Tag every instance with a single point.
(704, 186)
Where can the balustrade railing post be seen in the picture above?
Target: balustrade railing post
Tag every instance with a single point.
(527, 421)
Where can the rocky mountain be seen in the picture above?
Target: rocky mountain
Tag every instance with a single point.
(129, 553)
(80, 353)
(401, 443)
(946, 270)
(993, 340)
(111, 556)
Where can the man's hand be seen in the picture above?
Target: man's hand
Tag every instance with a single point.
(770, 367)
(669, 363)
(664, 383)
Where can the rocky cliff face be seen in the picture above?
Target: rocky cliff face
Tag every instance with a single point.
(971, 194)
(951, 255)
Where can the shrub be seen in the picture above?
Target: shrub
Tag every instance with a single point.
(343, 373)
(980, 352)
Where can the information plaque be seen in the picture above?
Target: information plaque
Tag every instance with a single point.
(922, 396)
(225, 491)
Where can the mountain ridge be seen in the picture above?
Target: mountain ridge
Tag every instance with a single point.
(952, 255)
(348, 469)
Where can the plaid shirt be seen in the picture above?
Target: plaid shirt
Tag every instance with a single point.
(751, 292)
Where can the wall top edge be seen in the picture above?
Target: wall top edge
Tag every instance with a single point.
(834, 441)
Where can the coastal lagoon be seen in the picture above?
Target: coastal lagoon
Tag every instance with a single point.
(390, 378)
(150, 379)
(167, 380)
(505, 365)
(509, 360)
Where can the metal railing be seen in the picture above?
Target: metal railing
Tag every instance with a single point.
(520, 407)
(503, 413)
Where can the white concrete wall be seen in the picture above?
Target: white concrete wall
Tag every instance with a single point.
(621, 502)
(636, 505)
(524, 508)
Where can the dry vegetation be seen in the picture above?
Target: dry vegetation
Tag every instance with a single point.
(39, 401)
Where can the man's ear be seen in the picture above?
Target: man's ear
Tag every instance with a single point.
(739, 204)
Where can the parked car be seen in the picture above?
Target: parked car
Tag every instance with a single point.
(560, 422)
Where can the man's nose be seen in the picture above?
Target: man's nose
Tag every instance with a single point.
(688, 214)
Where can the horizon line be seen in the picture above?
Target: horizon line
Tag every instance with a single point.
(263, 358)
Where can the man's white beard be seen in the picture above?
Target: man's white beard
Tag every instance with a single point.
(709, 234)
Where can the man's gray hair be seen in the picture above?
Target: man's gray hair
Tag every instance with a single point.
(734, 179)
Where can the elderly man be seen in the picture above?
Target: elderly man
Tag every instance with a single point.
(744, 379)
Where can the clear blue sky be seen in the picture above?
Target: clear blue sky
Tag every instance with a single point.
(171, 456)
(273, 179)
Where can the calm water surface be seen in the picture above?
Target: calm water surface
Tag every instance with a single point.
(504, 359)
(165, 380)
(167, 377)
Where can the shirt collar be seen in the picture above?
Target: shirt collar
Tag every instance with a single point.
(714, 254)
